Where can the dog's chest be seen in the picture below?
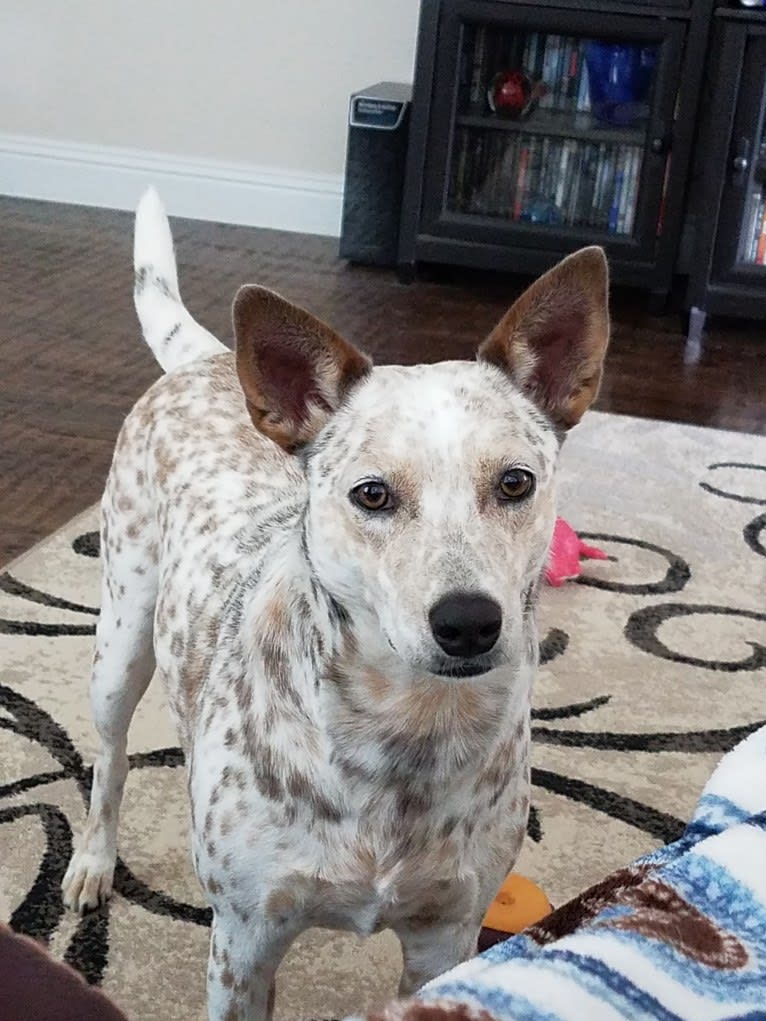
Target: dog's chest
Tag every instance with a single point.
(302, 834)
(368, 872)
(383, 883)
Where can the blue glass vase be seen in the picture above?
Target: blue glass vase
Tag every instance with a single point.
(619, 77)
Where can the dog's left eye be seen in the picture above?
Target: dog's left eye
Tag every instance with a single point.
(372, 496)
(515, 484)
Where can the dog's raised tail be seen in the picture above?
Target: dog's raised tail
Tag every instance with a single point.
(174, 336)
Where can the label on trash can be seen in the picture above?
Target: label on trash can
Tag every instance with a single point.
(382, 114)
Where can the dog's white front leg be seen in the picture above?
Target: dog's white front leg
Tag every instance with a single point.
(244, 957)
(431, 950)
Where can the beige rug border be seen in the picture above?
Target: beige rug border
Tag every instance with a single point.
(23, 557)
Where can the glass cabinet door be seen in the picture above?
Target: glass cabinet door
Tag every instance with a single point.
(742, 244)
(551, 131)
(752, 250)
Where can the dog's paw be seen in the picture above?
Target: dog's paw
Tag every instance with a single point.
(88, 881)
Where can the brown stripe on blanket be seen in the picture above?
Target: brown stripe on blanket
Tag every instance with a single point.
(657, 912)
(660, 912)
(583, 909)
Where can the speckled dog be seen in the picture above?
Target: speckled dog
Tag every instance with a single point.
(334, 569)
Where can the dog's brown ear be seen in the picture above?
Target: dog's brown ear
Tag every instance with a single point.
(294, 369)
(553, 339)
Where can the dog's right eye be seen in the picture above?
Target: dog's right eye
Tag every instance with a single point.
(371, 496)
(515, 484)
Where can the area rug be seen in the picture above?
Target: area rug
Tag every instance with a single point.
(654, 664)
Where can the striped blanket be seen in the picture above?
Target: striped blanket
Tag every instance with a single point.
(680, 935)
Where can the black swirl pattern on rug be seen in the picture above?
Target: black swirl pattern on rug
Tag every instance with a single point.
(727, 494)
(752, 535)
(553, 645)
(13, 587)
(568, 712)
(40, 911)
(677, 572)
(659, 825)
(88, 949)
(38, 630)
(643, 625)
(88, 544)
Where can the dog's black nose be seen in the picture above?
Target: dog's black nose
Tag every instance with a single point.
(466, 623)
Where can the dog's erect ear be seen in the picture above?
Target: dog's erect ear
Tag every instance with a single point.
(293, 368)
(553, 339)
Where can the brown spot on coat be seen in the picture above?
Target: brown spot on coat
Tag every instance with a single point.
(280, 903)
(165, 465)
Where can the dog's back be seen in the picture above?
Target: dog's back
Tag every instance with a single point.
(195, 494)
(192, 501)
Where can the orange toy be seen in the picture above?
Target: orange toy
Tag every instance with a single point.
(518, 904)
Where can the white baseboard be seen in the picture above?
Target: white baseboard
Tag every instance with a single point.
(93, 175)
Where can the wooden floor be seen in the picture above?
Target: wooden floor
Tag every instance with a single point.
(72, 361)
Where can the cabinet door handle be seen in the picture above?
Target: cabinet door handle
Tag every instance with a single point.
(741, 162)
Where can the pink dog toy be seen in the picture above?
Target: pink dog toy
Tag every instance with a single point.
(564, 555)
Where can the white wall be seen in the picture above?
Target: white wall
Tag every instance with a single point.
(259, 85)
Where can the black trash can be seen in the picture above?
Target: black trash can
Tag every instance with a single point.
(378, 123)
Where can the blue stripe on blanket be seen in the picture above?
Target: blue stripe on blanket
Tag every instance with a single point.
(592, 975)
(499, 1002)
(714, 814)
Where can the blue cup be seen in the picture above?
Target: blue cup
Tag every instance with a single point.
(619, 77)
